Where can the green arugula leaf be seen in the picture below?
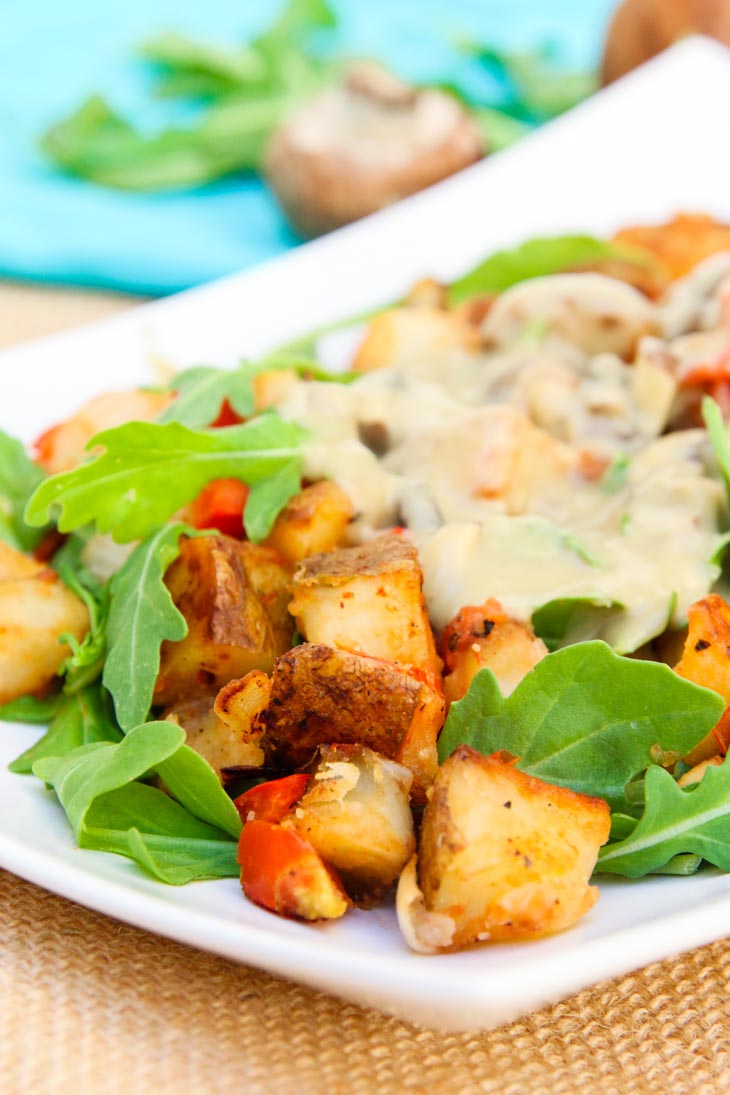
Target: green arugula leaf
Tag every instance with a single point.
(110, 811)
(201, 391)
(19, 477)
(78, 719)
(146, 825)
(267, 499)
(569, 620)
(197, 787)
(150, 470)
(584, 718)
(717, 434)
(31, 710)
(497, 129)
(675, 822)
(224, 68)
(142, 615)
(535, 258)
(86, 660)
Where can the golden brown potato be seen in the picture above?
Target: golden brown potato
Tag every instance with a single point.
(322, 696)
(64, 446)
(273, 387)
(697, 773)
(35, 609)
(502, 855)
(706, 661)
(681, 243)
(312, 522)
(409, 336)
(356, 813)
(229, 630)
(485, 637)
(368, 599)
(222, 744)
(270, 576)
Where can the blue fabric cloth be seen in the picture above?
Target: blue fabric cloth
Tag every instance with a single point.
(52, 55)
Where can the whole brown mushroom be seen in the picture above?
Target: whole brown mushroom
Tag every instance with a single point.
(363, 144)
(642, 28)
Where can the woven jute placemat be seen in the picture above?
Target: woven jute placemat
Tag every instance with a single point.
(90, 1006)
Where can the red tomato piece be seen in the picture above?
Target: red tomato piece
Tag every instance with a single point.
(220, 505)
(271, 801)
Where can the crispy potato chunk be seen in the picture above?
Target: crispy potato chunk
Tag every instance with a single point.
(322, 696)
(223, 744)
(312, 522)
(485, 637)
(356, 813)
(270, 576)
(502, 856)
(409, 336)
(64, 446)
(681, 243)
(35, 609)
(706, 661)
(230, 631)
(368, 599)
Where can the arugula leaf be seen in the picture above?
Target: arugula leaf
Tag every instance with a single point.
(717, 434)
(142, 615)
(78, 719)
(201, 391)
(584, 718)
(569, 620)
(675, 822)
(196, 786)
(146, 825)
(535, 258)
(86, 660)
(497, 129)
(150, 470)
(223, 68)
(110, 811)
(30, 709)
(19, 477)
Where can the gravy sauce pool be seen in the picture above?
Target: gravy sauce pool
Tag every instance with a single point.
(543, 463)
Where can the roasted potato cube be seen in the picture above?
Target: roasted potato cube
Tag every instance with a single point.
(322, 696)
(502, 856)
(368, 599)
(314, 521)
(35, 609)
(223, 745)
(357, 815)
(270, 577)
(485, 637)
(411, 336)
(240, 704)
(229, 630)
(273, 387)
(681, 243)
(706, 661)
(281, 871)
(64, 446)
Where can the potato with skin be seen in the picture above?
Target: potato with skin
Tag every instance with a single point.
(64, 446)
(323, 696)
(35, 609)
(368, 599)
(312, 522)
(270, 575)
(356, 814)
(706, 661)
(403, 337)
(230, 632)
(485, 637)
(502, 856)
(223, 744)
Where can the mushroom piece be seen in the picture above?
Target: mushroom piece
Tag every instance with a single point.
(363, 144)
(642, 28)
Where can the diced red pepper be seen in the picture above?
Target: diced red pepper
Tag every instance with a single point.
(272, 801)
(221, 505)
(227, 416)
(281, 871)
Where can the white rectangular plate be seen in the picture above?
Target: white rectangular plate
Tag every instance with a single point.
(652, 145)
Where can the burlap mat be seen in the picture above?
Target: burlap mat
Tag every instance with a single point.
(88, 1005)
